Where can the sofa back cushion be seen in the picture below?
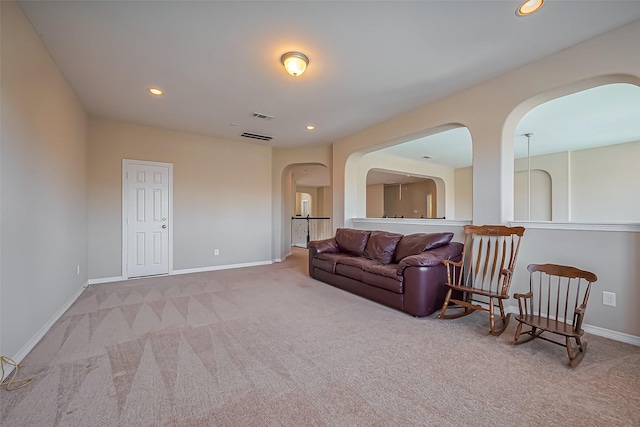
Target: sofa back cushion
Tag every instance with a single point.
(414, 244)
(381, 246)
(352, 241)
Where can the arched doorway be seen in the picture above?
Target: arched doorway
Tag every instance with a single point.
(307, 204)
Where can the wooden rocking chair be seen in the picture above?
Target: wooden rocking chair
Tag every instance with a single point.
(557, 300)
(485, 270)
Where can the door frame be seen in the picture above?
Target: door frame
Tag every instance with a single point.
(125, 210)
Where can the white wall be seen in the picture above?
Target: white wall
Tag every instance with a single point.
(590, 185)
(558, 166)
(43, 187)
(464, 193)
(409, 226)
(604, 184)
(540, 201)
(375, 200)
(221, 190)
(324, 201)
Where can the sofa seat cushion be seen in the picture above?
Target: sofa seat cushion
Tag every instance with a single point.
(381, 246)
(353, 266)
(350, 271)
(328, 261)
(360, 262)
(352, 241)
(394, 285)
(414, 244)
(388, 270)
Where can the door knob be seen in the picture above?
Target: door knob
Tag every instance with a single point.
(164, 226)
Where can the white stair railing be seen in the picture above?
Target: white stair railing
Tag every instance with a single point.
(307, 228)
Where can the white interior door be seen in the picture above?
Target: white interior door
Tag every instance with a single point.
(146, 217)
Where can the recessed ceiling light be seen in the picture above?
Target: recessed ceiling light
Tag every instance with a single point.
(529, 6)
(310, 127)
(155, 91)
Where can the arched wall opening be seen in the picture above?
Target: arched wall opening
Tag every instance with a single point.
(439, 154)
(297, 179)
(572, 131)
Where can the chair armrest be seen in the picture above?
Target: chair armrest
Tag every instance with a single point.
(506, 283)
(578, 315)
(448, 262)
(451, 271)
(523, 296)
(324, 246)
(522, 302)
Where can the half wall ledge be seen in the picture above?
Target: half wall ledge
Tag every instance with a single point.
(581, 226)
(413, 221)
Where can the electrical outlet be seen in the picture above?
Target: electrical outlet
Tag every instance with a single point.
(609, 298)
(78, 269)
(216, 252)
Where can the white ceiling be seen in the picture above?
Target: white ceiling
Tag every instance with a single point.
(311, 175)
(218, 62)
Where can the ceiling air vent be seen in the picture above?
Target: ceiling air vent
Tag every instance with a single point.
(262, 116)
(256, 136)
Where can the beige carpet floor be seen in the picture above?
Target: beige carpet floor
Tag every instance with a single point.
(269, 346)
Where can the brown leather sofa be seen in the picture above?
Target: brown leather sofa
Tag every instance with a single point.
(402, 272)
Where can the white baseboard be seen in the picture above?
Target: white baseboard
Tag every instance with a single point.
(183, 271)
(597, 330)
(220, 267)
(613, 335)
(106, 280)
(22, 353)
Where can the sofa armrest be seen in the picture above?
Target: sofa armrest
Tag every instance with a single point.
(432, 258)
(324, 246)
(320, 246)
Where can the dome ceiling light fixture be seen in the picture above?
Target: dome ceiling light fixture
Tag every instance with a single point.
(156, 91)
(295, 63)
(529, 6)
